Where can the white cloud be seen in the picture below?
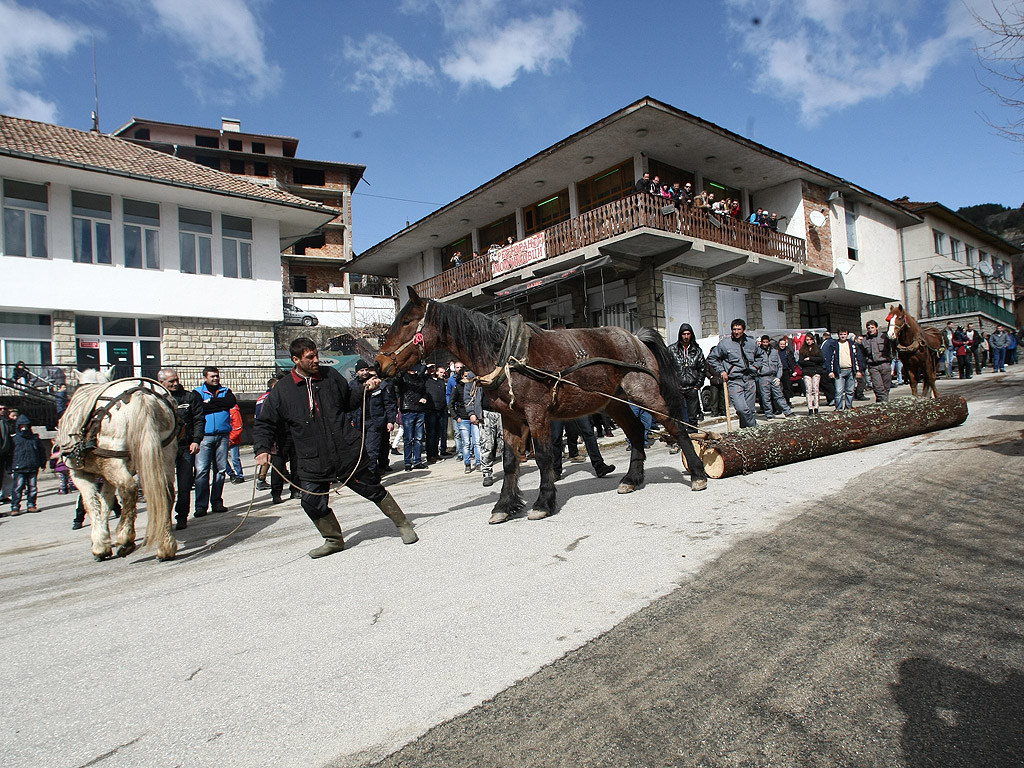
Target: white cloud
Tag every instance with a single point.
(497, 57)
(382, 67)
(827, 55)
(482, 43)
(26, 37)
(224, 36)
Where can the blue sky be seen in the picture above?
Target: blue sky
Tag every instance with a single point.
(437, 96)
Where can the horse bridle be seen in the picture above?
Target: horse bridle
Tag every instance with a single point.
(417, 340)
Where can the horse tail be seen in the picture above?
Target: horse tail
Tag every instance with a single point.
(668, 374)
(147, 429)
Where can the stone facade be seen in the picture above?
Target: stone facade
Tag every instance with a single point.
(63, 328)
(819, 239)
(190, 341)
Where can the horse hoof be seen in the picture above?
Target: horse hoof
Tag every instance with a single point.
(126, 549)
(165, 558)
(626, 488)
(498, 517)
(101, 557)
(699, 484)
(537, 514)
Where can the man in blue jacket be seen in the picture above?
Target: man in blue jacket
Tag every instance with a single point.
(213, 451)
(844, 364)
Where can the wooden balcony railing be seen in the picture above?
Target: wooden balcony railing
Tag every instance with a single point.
(623, 216)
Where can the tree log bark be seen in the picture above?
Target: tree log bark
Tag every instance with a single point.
(785, 441)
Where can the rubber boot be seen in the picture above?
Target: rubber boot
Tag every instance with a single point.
(330, 529)
(390, 507)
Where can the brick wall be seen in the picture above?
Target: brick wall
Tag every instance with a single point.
(819, 239)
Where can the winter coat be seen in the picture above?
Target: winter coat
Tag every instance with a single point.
(466, 401)
(437, 394)
(235, 438)
(381, 405)
(811, 360)
(737, 358)
(770, 364)
(830, 352)
(217, 407)
(191, 419)
(960, 343)
(999, 340)
(877, 349)
(689, 359)
(327, 443)
(28, 454)
(412, 387)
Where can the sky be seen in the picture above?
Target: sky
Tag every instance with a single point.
(436, 97)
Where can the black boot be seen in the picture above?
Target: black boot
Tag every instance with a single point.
(390, 507)
(330, 529)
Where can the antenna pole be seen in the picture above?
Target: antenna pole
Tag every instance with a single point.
(96, 87)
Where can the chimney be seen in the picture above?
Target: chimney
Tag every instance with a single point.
(230, 125)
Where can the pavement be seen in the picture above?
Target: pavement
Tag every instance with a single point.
(860, 609)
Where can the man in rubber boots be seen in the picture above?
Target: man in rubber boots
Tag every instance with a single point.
(312, 403)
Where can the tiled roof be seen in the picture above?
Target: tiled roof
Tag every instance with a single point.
(96, 151)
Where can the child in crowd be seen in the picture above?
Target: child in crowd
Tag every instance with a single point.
(60, 469)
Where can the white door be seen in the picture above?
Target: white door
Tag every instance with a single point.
(682, 305)
(732, 303)
(773, 310)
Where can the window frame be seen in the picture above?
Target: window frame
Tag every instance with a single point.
(148, 233)
(96, 223)
(236, 250)
(34, 213)
(197, 233)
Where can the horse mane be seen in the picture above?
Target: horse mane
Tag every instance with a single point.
(473, 331)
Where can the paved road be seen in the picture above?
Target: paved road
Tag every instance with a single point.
(855, 610)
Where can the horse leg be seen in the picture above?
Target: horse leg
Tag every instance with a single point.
(120, 479)
(635, 433)
(544, 452)
(98, 511)
(912, 374)
(510, 500)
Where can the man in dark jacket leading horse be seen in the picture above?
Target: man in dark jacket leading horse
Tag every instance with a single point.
(314, 404)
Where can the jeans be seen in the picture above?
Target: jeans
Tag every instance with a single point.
(212, 459)
(646, 418)
(412, 426)
(999, 358)
(948, 359)
(470, 442)
(24, 482)
(235, 462)
(846, 383)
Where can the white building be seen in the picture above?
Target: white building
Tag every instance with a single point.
(116, 254)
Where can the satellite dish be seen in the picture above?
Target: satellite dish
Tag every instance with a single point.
(985, 268)
(817, 219)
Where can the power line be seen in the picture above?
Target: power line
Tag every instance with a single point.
(399, 199)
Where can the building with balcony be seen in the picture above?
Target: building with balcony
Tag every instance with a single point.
(589, 250)
(311, 265)
(116, 254)
(955, 270)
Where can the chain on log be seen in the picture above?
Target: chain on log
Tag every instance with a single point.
(786, 441)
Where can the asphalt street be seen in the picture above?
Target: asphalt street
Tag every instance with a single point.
(860, 609)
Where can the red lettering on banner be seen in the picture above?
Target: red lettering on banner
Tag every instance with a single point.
(526, 251)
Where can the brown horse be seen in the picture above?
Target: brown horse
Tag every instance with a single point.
(533, 376)
(918, 348)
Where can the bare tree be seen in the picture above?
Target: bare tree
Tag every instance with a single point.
(1003, 59)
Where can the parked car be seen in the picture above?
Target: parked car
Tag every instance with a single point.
(295, 316)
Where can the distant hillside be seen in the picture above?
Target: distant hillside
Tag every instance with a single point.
(1007, 223)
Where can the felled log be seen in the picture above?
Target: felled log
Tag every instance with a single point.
(786, 441)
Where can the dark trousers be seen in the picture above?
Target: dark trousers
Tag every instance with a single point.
(963, 365)
(278, 462)
(787, 386)
(374, 437)
(691, 399)
(184, 476)
(828, 390)
(364, 482)
(601, 423)
(432, 426)
(586, 431)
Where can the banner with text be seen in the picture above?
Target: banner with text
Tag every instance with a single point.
(517, 255)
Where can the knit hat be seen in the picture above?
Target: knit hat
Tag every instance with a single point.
(24, 421)
(361, 363)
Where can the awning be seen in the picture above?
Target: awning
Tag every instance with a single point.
(344, 364)
(554, 277)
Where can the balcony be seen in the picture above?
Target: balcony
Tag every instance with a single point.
(968, 305)
(623, 216)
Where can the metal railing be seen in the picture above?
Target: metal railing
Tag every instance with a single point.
(622, 216)
(963, 305)
(242, 380)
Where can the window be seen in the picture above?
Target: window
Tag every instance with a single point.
(670, 174)
(195, 241)
(495, 233)
(852, 249)
(90, 227)
(208, 161)
(463, 246)
(260, 169)
(545, 213)
(299, 284)
(811, 315)
(972, 259)
(955, 249)
(25, 207)
(309, 177)
(259, 148)
(605, 187)
(141, 235)
(118, 326)
(211, 142)
(313, 242)
(235, 145)
(940, 242)
(142, 134)
(983, 256)
(237, 244)
(236, 166)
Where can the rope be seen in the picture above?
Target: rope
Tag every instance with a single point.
(255, 478)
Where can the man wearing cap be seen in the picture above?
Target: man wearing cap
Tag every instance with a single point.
(381, 409)
(313, 404)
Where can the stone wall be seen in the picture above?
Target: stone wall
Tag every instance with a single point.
(64, 348)
(190, 341)
(819, 239)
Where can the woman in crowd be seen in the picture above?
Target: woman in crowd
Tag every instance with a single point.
(811, 363)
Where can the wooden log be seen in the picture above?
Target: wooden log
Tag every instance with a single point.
(785, 441)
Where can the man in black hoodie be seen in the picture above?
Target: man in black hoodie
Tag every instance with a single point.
(313, 404)
(692, 369)
(192, 422)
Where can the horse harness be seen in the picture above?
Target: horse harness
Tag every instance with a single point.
(75, 445)
(916, 343)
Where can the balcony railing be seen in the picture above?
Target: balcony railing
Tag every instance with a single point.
(965, 305)
(620, 217)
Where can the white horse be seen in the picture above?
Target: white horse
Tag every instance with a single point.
(113, 430)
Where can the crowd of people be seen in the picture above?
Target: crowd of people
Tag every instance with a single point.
(683, 196)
